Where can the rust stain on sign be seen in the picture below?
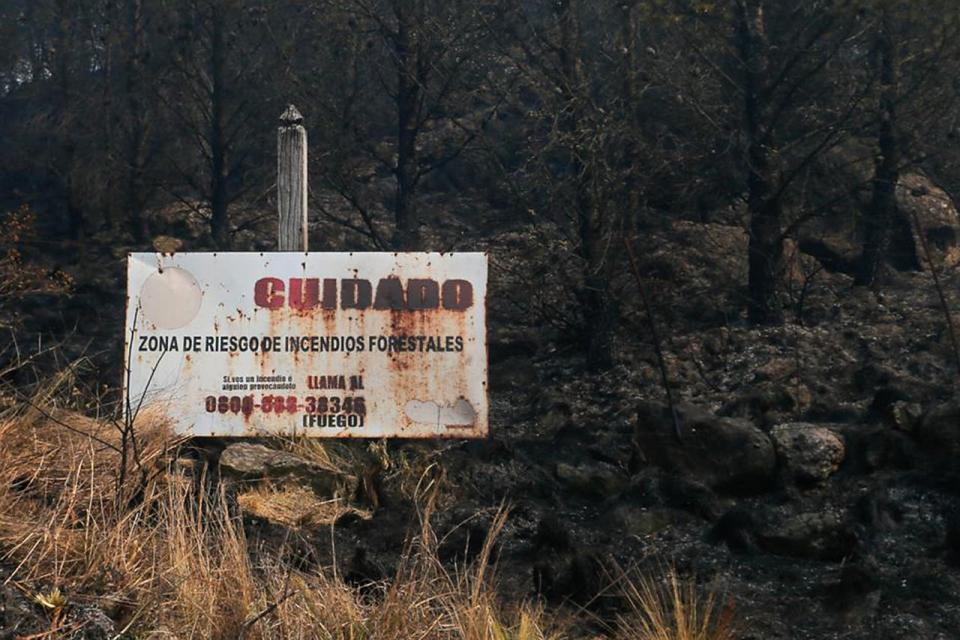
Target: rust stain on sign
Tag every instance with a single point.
(327, 345)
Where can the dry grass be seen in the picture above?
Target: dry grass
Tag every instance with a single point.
(176, 563)
(173, 561)
(664, 606)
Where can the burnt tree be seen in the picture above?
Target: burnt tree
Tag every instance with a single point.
(883, 203)
(765, 251)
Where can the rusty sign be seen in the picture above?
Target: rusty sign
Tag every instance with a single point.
(317, 344)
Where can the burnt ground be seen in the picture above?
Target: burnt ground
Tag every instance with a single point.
(869, 551)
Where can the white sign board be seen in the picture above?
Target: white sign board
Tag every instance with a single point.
(365, 345)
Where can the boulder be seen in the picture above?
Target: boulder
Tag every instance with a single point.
(856, 596)
(641, 522)
(888, 448)
(815, 535)
(903, 415)
(724, 453)
(766, 403)
(690, 495)
(807, 452)
(926, 215)
(737, 528)
(90, 622)
(888, 385)
(578, 576)
(295, 507)
(712, 249)
(929, 213)
(939, 429)
(248, 461)
(592, 478)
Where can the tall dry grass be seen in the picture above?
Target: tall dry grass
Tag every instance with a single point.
(175, 563)
(663, 606)
(171, 559)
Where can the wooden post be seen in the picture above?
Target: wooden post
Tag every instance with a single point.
(292, 181)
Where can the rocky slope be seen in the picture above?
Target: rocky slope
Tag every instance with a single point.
(807, 470)
(809, 473)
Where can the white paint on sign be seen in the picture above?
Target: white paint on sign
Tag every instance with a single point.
(326, 344)
(170, 299)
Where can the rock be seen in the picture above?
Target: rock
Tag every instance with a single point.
(836, 253)
(724, 453)
(690, 495)
(904, 415)
(362, 573)
(258, 461)
(295, 507)
(939, 430)
(898, 392)
(736, 528)
(816, 535)
(579, 576)
(952, 539)
(552, 535)
(872, 448)
(763, 403)
(463, 544)
(19, 615)
(808, 453)
(857, 594)
(723, 248)
(637, 521)
(873, 376)
(592, 478)
(930, 214)
(878, 512)
(249, 461)
(925, 215)
(91, 623)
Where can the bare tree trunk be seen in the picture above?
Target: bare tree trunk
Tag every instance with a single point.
(64, 51)
(765, 252)
(407, 232)
(883, 204)
(136, 134)
(599, 311)
(219, 219)
(631, 151)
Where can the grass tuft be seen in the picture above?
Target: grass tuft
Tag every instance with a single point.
(664, 606)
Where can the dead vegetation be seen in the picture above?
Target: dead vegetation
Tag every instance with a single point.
(172, 560)
(671, 608)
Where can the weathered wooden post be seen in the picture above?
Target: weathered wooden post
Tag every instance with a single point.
(292, 181)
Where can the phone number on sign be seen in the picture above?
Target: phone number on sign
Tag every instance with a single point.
(333, 405)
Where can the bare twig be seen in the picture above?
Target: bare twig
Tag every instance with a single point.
(657, 345)
(247, 625)
(944, 305)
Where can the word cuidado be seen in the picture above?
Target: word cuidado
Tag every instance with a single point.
(417, 294)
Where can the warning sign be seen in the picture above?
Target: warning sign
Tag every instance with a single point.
(362, 345)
